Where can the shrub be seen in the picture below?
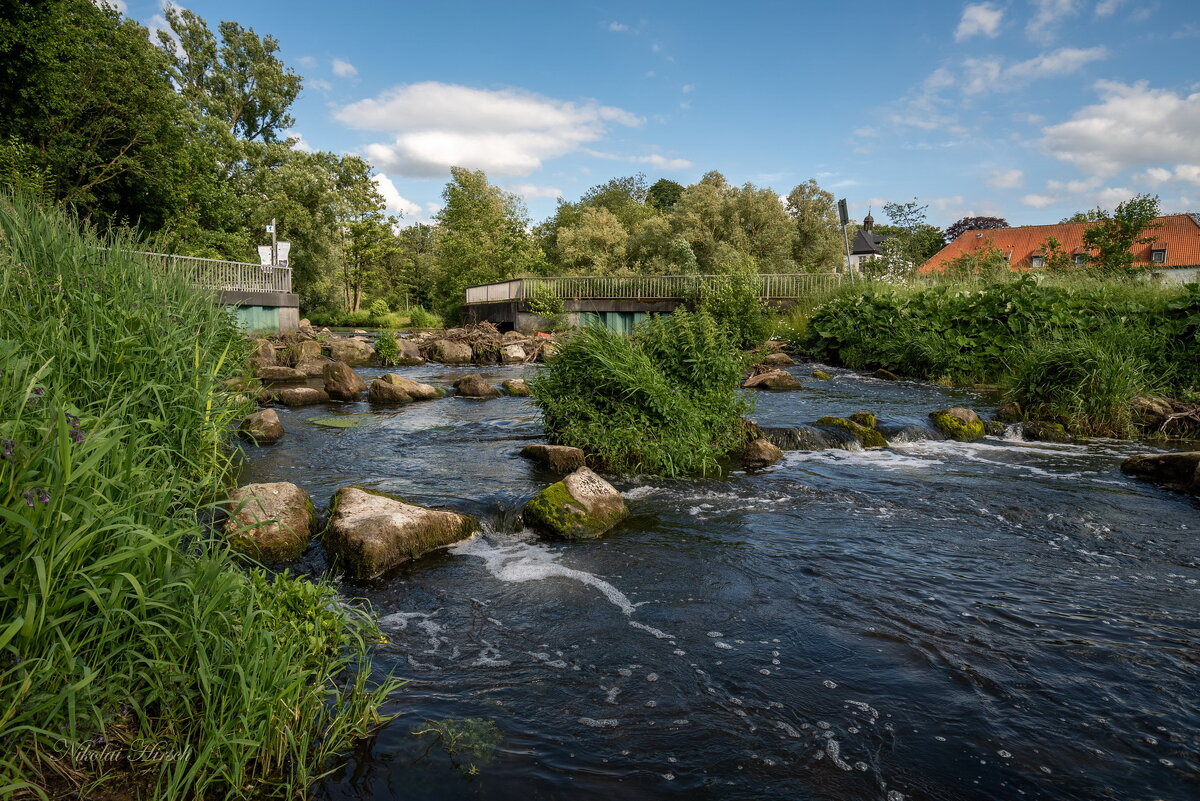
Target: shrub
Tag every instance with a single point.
(545, 304)
(379, 308)
(420, 318)
(665, 401)
(733, 301)
(120, 615)
(387, 349)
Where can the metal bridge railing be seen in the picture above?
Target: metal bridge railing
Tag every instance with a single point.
(225, 275)
(780, 286)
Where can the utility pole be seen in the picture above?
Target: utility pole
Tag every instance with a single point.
(844, 218)
(274, 244)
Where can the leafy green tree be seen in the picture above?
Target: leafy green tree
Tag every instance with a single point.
(918, 241)
(663, 194)
(1056, 258)
(974, 224)
(597, 245)
(1091, 215)
(1114, 234)
(483, 238)
(817, 245)
(763, 230)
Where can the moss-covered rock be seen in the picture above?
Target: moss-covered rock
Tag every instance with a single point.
(960, 424)
(515, 386)
(865, 419)
(582, 505)
(994, 428)
(1010, 412)
(821, 375)
(1045, 431)
(270, 522)
(869, 437)
(370, 532)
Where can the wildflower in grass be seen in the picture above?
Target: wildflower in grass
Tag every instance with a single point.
(72, 419)
(77, 435)
(28, 496)
(9, 445)
(43, 495)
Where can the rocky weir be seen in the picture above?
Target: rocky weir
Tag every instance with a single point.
(922, 618)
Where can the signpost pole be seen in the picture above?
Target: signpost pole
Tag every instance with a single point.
(844, 219)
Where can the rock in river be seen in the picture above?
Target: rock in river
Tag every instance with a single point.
(582, 505)
(1178, 470)
(270, 522)
(475, 386)
(772, 379)
(370, 532)
(302, 396)
(262, 427)
(447, 352)
(415, 389)
(559, 458)
(342, 383)
(515, 386)
(279, 373)
(759, 454)
(959, 424)
(351, 351)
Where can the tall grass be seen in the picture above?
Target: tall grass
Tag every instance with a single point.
(122, 622)
(1075, 348)
(664, 402)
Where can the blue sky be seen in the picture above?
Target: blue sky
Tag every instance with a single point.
(1027, 109)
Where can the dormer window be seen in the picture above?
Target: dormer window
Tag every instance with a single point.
(1037, 262)
(1158, 253)
(1079, 257)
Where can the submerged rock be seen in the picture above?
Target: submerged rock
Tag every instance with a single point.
(370, 532)
(886, 375)
(270, 522)
(559, 458)
(1179, 470)
(582, 505)
(302, 396)
(447, 352)
(515, 386)
(475, 386)
(342, 383)
(869, 437)
(760, 453)
(262, 428)
(772, 379)
(354, 352)
(415, 389)
(821, 375)
(959, 424)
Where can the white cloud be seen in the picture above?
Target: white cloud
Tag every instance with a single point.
(1133, 126)
(688, 88)
(392, 200)
(299, 142)
(531, 191)
(1006, 179)
(1049, 13)
(1039, 201)
(618, 27)
(319, 83)
(988, 74)
(1155, 176)
(980, 19)
(343, 69)
(505, 132)
(307, 62)
(1105, 8)
(654, 160)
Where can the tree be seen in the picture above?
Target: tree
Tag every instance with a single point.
(663, 194)
(1056, 259)
(596, 245)
(1114, 235)
(817, 244)
(974, 224)
(917, 240)
(764, 232)
(483, 237)
(988, 260)
(1091, 215)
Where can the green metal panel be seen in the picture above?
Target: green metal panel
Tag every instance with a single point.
(254, 319)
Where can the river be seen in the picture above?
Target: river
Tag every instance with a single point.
(997, 620)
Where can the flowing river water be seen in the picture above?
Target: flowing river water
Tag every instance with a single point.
(997, 620)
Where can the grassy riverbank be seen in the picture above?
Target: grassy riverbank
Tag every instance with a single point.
(1073, 350)
(130, 641)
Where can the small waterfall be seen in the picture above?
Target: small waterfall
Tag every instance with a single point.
(815, 437)
(898, 434)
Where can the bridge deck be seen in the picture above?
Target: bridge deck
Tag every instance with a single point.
(780, 286)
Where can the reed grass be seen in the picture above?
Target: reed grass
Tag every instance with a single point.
(123, 623)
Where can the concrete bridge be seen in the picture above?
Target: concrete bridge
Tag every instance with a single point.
(261, 297)
(620, 302)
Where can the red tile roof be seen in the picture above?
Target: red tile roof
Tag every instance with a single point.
(1180, 233)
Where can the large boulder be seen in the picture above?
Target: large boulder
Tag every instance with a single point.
(515, 386)
(384, 391)
(778, 359)
(270, 522)
(1045, 431)
(512, 354)
(475, 386)
(370, 532)
(772, 379)
(263, 354)
(342, 383)
(279, 373)
(262, 427)
(314, 366)
(353, 352)
(415, 389)
(447, 352)
(302, 396)
(1010, 412)
(1179, 470)
(760, 453)
(559, 458)
(868, 436)
(408, 353)
(959, 424)
(582, 505)
(303, 350)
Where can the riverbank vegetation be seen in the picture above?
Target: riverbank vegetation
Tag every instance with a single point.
(1073, 349)
(126, 630)
(664, 401)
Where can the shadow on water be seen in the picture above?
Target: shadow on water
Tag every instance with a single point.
(937, 620)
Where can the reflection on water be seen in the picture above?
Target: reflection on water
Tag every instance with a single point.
(938, 620)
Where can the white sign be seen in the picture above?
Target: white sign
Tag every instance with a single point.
(284, 249)
(264, 255)
(270, 228)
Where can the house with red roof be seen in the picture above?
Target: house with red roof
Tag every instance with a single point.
(1174, 252)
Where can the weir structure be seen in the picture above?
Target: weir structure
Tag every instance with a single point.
(260, 296)
(619, 302)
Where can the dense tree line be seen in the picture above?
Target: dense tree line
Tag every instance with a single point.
(186, 140)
